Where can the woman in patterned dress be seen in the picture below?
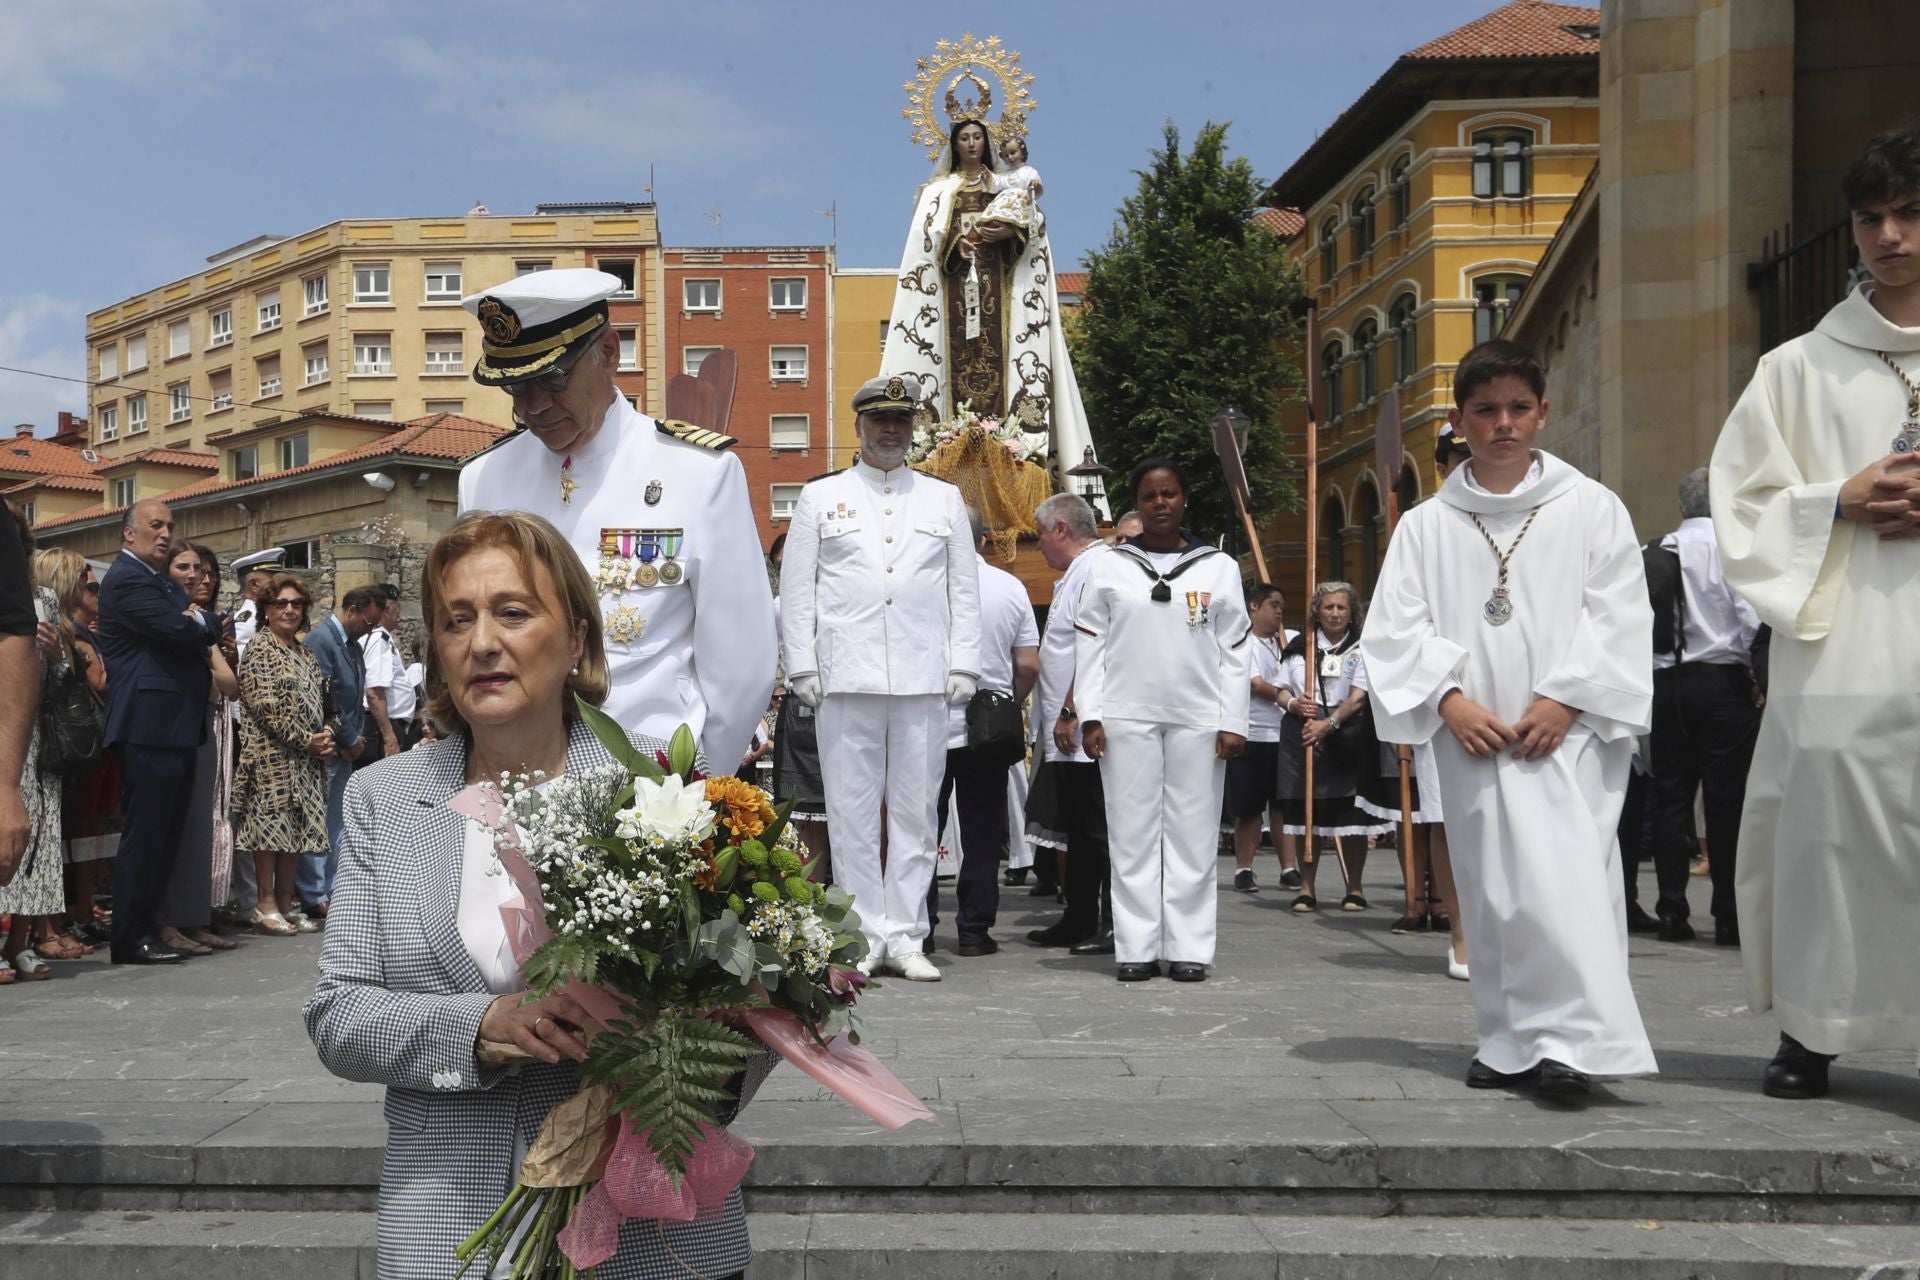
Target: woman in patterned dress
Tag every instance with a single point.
(37, 891)
(280, 793)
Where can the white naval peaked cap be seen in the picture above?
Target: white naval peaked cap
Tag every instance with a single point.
(531, 323)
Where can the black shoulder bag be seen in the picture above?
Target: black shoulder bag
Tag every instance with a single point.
(995, 730)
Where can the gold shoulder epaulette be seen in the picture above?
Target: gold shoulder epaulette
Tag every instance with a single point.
(823, 475)
(690, 434)
(506, 439)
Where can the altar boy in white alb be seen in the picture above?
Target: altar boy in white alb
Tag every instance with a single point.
(1511, 627)
(880, 627)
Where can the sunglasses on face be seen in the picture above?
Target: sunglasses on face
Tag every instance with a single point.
(288, 604)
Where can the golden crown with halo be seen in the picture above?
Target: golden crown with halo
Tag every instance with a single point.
(975, 67)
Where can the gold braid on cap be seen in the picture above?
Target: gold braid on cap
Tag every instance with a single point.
(975, 65)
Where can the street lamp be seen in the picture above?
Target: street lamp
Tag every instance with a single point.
(1236, 422)
(1090, 477)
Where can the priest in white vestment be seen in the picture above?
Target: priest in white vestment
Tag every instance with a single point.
(1530, 683)
(1814, 503)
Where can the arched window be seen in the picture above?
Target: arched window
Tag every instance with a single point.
(1333, 559)
(1493, 300)
(1360, 214)
(1329, 251)
(1366, 353)
(1331, 359)
(1399, 181)
(1406, 491)
(1502, 163)
(1366, 515)
(1406, 356)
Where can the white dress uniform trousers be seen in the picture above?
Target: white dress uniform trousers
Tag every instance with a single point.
(699, 650)
(880, 597)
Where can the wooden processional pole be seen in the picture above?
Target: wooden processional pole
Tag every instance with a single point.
(1308, 848)
(1387, 449)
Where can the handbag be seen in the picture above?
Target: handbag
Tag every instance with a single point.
(72, 724)
(995, 730)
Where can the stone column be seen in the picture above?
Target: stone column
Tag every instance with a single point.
(357, 564)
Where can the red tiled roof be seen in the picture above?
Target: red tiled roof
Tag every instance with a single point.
(164, 457)
(1285, 223)
(1070, 281)
(73, 484)
(42, 457)
(1523, 29)
(443, 435)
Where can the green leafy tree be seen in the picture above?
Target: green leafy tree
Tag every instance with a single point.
(1189, 308)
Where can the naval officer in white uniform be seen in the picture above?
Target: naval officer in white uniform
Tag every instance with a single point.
(880, 618)
(658, 512)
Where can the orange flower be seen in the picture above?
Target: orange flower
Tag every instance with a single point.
(744, 807)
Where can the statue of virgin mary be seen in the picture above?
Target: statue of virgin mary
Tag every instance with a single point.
(976, 314)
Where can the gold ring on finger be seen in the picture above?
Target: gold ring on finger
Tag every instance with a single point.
(536, 1024)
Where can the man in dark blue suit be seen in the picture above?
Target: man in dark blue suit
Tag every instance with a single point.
(335, 643)
(155, 649)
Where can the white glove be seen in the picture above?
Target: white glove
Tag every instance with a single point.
(960, 687)
(807, 689)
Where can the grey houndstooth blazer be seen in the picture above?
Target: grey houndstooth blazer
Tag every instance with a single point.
(399, 1003)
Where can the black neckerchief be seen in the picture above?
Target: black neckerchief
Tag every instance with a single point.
(1192, 552)
(1297, 647)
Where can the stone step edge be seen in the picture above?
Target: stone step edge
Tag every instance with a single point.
(313, 1246)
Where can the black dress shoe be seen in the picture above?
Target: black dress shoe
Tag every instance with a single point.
(1056, 935)
(1726, 933)
(927, 946)
(984, 947)
(1559, 1080)
(1187, 971)
(149, 953)
(1043, 890)
(1014, 877)
(1482, 1076)
(1100, 944)
(1638, 921)
(1138, 972)
(1675, 929)
(1796, 1071)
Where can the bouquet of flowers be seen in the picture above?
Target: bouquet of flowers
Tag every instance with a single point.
(1012, 435)
(666, 904)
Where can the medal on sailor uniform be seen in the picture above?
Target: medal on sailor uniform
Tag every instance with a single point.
(624, 625)
(1498, 610)
(1206, 608)
(1909, 438)
(670, 540)
(567, 486)
(652, 495)
(1193, 608)
(644, 573)
(616, 569)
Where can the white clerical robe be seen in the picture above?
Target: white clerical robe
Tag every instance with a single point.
(1831, 832)
(1534, 852)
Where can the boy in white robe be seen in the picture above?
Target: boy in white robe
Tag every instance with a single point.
(1511, 627)
(1816, 505)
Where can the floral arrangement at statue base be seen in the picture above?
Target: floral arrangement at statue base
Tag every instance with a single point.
(674, 910)
(999, 467)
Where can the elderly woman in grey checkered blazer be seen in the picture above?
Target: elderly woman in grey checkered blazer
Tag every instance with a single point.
(416, 973)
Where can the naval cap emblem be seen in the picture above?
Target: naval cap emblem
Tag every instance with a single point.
(499, 320)
(896, 389)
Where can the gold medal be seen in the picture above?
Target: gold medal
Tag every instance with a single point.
(645, 574)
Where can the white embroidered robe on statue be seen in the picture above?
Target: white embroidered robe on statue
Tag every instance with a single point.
(1831, 832)
(1534, 852)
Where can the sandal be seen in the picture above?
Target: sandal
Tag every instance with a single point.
(1410, 923)
(208, 938)
(53, 949)
(1304, 904)
(1353, 902)
(273, 923)
(181, 942)
(31, 967)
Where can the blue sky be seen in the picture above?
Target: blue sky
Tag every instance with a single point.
(140, 136)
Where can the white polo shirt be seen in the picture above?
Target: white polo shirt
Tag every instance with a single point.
(1006, 624)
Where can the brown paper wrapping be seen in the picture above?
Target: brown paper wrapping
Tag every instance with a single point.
(574, 1143)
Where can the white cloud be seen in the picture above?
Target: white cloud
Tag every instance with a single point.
(619, 122)
(45, 334)
(49, 49)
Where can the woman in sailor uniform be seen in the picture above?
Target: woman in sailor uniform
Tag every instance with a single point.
(1346, 759)
(1160, 685)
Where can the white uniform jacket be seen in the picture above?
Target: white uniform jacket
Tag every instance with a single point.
(1182, 661)
(1057, 654)
(879, 589)
(699, 651)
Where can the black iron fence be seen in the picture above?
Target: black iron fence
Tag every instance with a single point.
(1800, 277)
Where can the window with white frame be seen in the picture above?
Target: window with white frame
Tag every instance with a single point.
(293, 451)
(125, 491)
(314, 290)
(621, 269)
(789, 364)
(445, 353)
(266, 374)
(788, 431)
(629, 349)
(267, 309)
(179, 402)
(109, 363)
(219, 326)
(300, 555)
(136, 415)
(108, 417)
(372, 283)
(220, 390)
(316, 363)
(785, 294)
(381, 409)
(701, 295)
(444, 282)
(29, 512)
(1502, 163)
(782, 498)
(372, 354)
(179, 339)
(1493, 301)
(243, 463)
(527, 267)
(446, 406)
(884, 326)
(691, 358)
(136, 352)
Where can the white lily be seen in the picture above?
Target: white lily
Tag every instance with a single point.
(668, 812)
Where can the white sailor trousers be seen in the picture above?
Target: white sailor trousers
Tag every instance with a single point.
(877, 748)
(1163, 786)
